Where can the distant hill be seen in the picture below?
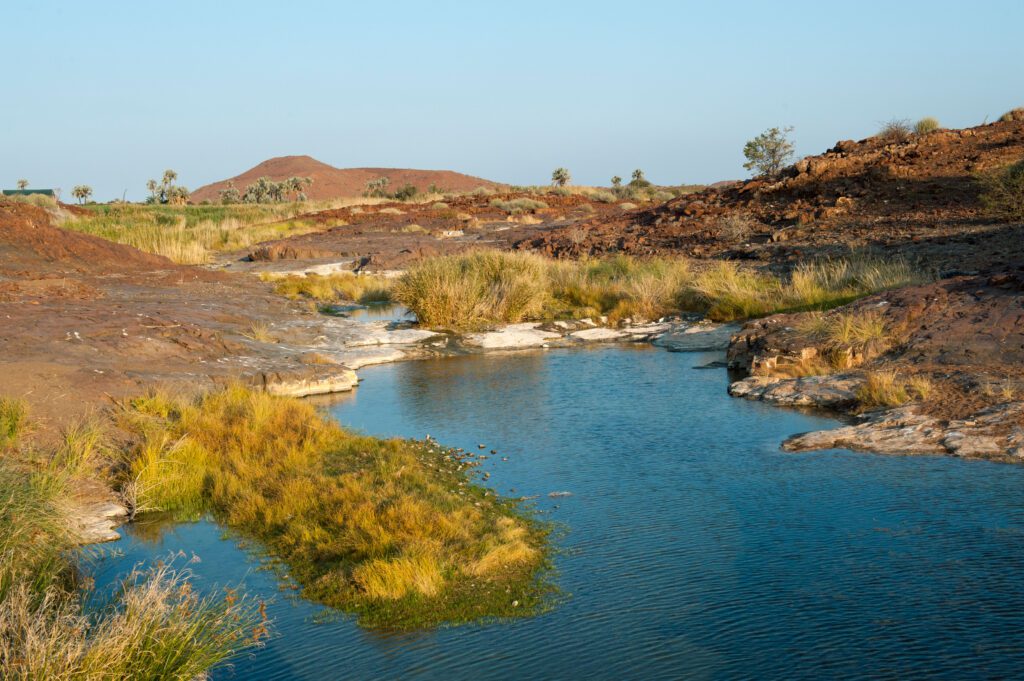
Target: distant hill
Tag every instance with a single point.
(330, 182)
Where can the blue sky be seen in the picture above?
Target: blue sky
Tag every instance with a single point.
(111, 93)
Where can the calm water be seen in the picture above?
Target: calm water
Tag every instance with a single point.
(693, 547)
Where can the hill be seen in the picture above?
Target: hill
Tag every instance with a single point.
(331, 183)
(918, 196)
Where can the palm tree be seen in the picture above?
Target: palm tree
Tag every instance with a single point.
(82, 192)
(616, 182)
(22, 184)
(638, 178)
(560, 177)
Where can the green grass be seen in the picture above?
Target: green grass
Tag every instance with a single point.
(154, 627)
(392, 530)
(485, 288)
(518, 206)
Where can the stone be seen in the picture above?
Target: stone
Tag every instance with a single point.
(827, 392)
(513, 336)
(703, 337)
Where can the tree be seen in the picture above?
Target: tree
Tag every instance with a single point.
(616, 182)
(769, 151)
(22, 184)
(82, 192)
(166, 191)
(378, 187)
(560, 177)
(230, 194)
(638, 179)
(296, 185)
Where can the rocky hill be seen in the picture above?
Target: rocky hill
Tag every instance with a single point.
(331, 183)
(919, 195)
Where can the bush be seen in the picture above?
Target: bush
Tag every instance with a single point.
(405, 192)
(517, 206)
(601, 197)
(1003, 193)
(769, 151)
(896, 131)
(1013, 115)
(734, 227)
(926, 125)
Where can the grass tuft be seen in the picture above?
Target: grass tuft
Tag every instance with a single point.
(361, 288)
(13, 419)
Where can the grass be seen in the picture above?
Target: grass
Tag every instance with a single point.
(154, 627)
(484, 288)
(1013, 115)
(518, 206)
(392, 530)
(926, 125)
(887, 388)
(13, 417)
(361, 288)
(1003, 193)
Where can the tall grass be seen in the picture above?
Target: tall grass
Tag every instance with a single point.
(365, 289)
(484, 288)
(154, 627)
(390, 529)
(191, 234)
(13, 415)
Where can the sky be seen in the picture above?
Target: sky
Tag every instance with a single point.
(110, 94)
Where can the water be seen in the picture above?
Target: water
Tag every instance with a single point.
(693, 547)
(384, 312)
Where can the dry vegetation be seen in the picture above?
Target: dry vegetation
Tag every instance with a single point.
(361, 288)
(484, 288)
(154, 626)
(390, 529)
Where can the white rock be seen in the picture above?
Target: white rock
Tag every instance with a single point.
(526, 335)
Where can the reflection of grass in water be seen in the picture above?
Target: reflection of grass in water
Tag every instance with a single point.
(392, 530)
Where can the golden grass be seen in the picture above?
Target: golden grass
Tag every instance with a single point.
(483, 288)
(360, 288)
(155, 626)
(390, 529)
(888, 388)
(13, 418)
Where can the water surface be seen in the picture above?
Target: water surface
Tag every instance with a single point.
(692, 547)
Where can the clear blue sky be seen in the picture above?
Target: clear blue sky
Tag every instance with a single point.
(111, 93)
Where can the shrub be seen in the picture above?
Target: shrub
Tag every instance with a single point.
(734, 227)
(1003, 193)
(889, 389)
(769, 151)
(926, 125)
(405, 193)
(1013, 115)
(601, 197)
(518, 205)
(896, 131)
(560, 177)
(474, 290)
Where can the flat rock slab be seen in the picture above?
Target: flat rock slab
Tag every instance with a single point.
(380, 334)
(94, 522)
(527, 335)
(993, 433)
(329, 380)
(827, 392)
(599, 334)
(698, 338)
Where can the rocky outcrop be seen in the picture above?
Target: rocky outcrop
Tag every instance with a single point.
(826, 392)
(994, 433)
(700, 337)
(314, 380)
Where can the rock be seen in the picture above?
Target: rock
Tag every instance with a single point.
(380, 334)
(598, 334)
(988, 434)
(698, 337)
(526, 335)
(323, 380)
(827, 392)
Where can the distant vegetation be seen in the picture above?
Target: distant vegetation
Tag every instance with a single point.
(265, 190)
(392, 530)
(1013, 115)
(189, 234)
(926, 125)
(485, 288)
(518, 206)
(560, 177)
(769, 152)
(166, 191)
(22, 184)
(82, 192)
(1003, 193)
(379, 189)
(896, 131)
